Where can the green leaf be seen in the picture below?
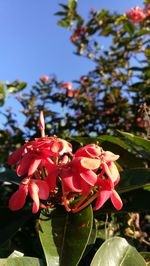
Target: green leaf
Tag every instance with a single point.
(2, 93)
(146, 256)
(117, 252)
(10, 222)
(60, 13)
(129, 27)
(101, 139)
(21, 261)
(137, 142)
(132, 179)
(63, 23)
(64, 6)
(73, 4)
(21, 86)
(64, 236)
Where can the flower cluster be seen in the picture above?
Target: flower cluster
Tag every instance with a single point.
(137, 14)
(44, 79)
(79, 32)
(52, 173)
(70, 92)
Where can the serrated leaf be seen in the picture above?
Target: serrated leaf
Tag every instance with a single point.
(117, 252)
(64, 235)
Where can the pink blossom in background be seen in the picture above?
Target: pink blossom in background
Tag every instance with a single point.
(136, 14)
(79, 32)
(44, 78)
(66, 85)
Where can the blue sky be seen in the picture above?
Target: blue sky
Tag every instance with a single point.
(33, 45)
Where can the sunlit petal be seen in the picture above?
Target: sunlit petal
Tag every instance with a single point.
(103, 196)
(18, 199)
(116, 200)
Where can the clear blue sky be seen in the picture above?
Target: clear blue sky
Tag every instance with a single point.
(33, 45)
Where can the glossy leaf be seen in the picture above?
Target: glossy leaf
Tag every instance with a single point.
(21, 261)
(64, 236)
(134, 140)
(146, 256)
(132, 179)
(117, 252)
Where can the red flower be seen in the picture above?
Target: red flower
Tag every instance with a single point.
(79, 32)
(38, 189)
(89, 151)
(44, 78)
(35, 153)
(136, 14)
(79, 175)
(67, 85)
(105, 192)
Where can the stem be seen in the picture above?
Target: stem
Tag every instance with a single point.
(80, 202)
(42, 133)
(65, 199)
(85, 204)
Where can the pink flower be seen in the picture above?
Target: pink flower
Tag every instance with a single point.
(79, 32)
(35, 153)
(136, 14)
(44, 78)
(70, 93)
(67, 85)
(38, 189)
(84, 80)
(106, 191)
(90, 151)
(79, 175)
(52, 170)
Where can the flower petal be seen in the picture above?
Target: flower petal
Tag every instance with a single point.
(34, 163)
(34, 190)
(114, 172)
(116, 200)
(90, 163)
(71, 183)
(89, 177)
(103, 196)
(106, 169)
(24, 164)
(16, 155)
(43, 189)
(52, 173)
(18, 199)
(110, 156)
